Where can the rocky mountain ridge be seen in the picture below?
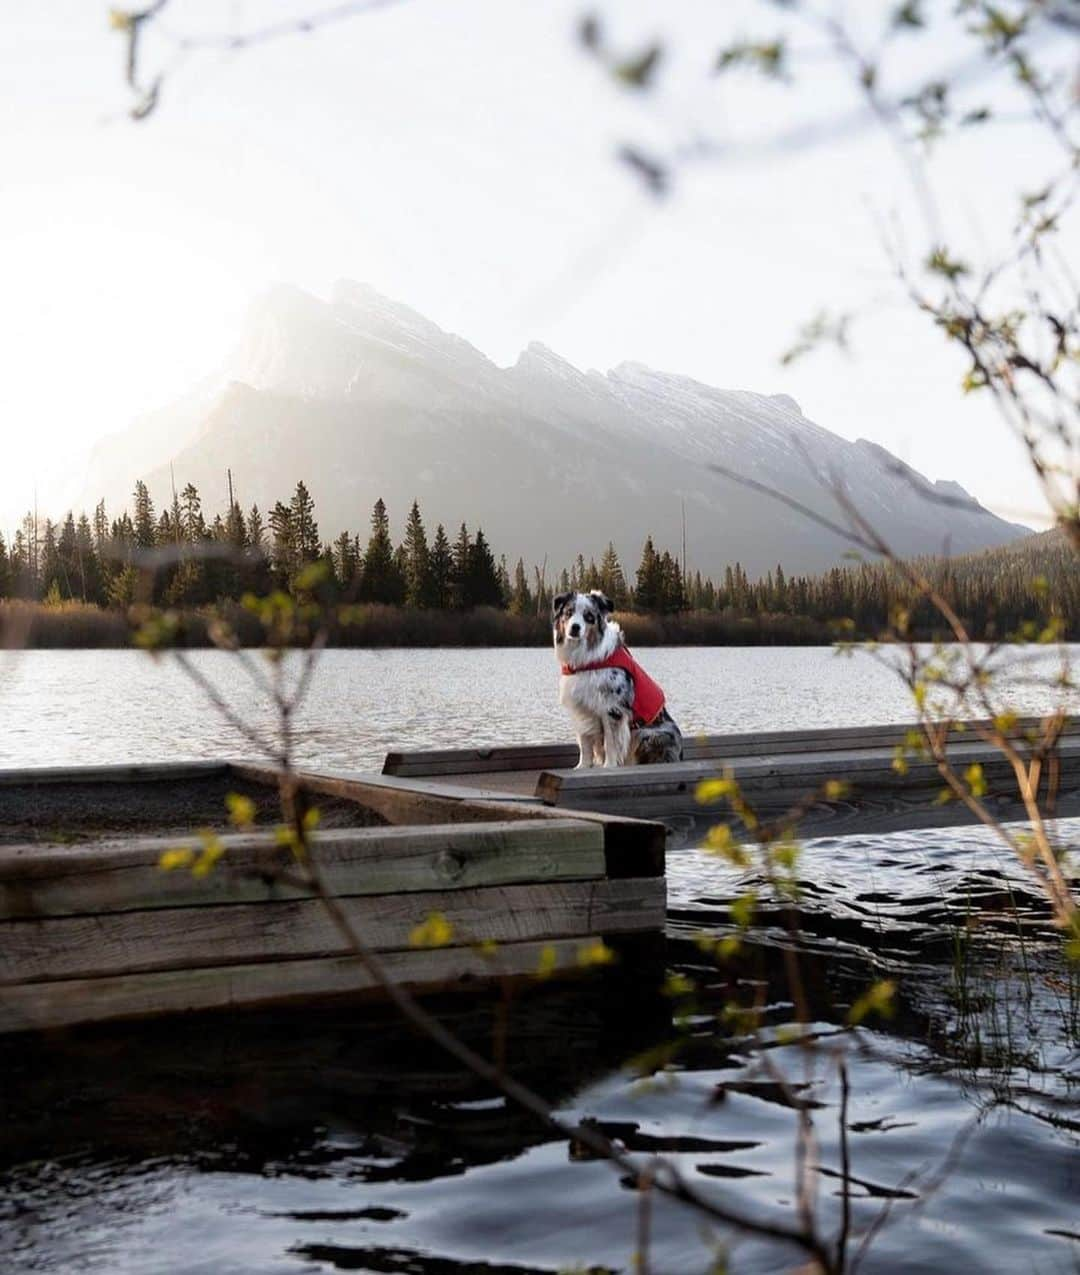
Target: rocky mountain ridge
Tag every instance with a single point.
(362, 397)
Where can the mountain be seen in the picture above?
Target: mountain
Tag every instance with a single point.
(362, 397)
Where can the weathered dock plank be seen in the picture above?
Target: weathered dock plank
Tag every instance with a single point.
(878, 798)
(777, 769)
(119, 773)
(92, 929)
(633, 847)
(523, 757)
(42, 949)
(125, 876)
(45, 1006)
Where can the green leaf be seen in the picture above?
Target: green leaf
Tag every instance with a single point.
(939, 262)
(548, 961)
(595, 953)
(436, 931)
(241, 810)
(638, 72)
(180, 857)
(877, 999)
(712, 790)
(742, 908)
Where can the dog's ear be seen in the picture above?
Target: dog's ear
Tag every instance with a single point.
(559, 601)
(602, 601)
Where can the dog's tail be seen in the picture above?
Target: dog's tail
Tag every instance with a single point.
(659, 743)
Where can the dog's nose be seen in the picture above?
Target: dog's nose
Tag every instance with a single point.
(575, 629)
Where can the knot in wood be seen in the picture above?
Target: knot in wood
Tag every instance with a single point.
(449, 865)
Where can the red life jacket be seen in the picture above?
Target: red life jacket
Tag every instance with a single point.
(648, 696)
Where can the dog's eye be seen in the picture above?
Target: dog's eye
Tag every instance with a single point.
(589, 617)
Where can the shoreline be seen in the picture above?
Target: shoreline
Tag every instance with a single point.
(80, 626)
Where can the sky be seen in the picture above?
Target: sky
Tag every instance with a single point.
(460, 156)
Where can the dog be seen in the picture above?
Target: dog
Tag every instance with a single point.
(619, 712)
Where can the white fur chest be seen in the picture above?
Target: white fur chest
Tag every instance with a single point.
(582, 693)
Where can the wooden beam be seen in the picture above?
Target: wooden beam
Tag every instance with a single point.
(141, 773)
(42, 1006)
(480, 761)
(46, 949)
(632, 847)
(560, 756)
(400, 800)
(125, 876)
(774, 784)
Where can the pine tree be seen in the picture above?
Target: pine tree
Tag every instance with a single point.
(236, 532)
(649, 586)
(672, 597)
(459, 573)
(305, 529)
(344, 562)
(780, 595)
(122, 586)
(282, 544)
(144, 520)
(50, 579)
(189, 583)
(87, 563)
(381, 580)
(521, 600)
(256, 574)
(442, 566)
(33, 555)
(122, 535)
(256, 529)
(483, 587)
(176, 520)
(168, 536)
(419, 590)
(66, 558)
(612, 580)
(401, 564)
(101, 529)
(192, 523)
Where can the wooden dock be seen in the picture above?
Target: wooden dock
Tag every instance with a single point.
(775, 770)
(93, 929)
(517, 851)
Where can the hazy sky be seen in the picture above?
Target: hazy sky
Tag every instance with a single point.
(458, 155)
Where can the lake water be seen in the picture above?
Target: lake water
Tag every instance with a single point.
(81, 707)
(338, 1142)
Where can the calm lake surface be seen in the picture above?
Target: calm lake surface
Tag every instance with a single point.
(84, 707)
(338, 1142)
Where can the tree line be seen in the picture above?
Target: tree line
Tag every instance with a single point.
(197, 561)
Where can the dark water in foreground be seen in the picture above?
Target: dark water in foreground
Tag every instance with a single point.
(336, 1141)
